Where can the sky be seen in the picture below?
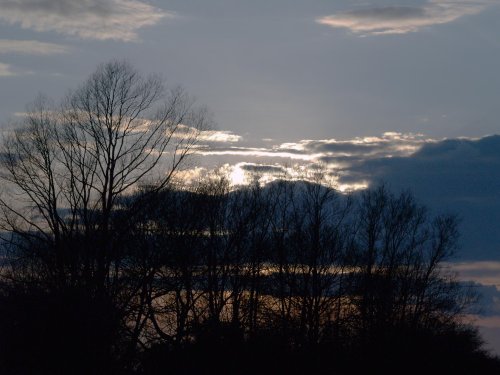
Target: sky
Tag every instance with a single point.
(404, 92)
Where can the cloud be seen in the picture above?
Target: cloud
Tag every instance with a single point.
(342, 160)
(391, 156)
(31, 47)
(486, 273)
(330, 151)
(390, 144)
(403, 19)
(461, 176)
(452, 175)
(244, 173)
(190, 176)
(262, 168)
(219, 136)
(253, 152)
(207, 139)
(487, 318)
(6, 70)
(490, 332)
(88, 19)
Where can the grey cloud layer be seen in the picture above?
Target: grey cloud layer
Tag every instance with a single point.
(90, 19)
(457, 175)
(404, 19)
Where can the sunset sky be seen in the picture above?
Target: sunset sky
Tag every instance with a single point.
(406, 92)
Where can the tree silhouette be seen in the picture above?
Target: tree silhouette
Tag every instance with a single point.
(66, 171)
(110, 267)
(69, 167)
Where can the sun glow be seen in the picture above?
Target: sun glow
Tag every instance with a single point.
(237, 176)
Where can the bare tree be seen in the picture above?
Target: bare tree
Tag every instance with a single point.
(402, 281)
(69, 166)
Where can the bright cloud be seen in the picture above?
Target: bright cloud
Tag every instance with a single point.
(219, 136)
(190, 176)
(30, 47)
(244, 173)
(238, 176)
(252, 151)
(404, 19)
(88, 19)
(390, 144)
(338, 158)
(451, 175)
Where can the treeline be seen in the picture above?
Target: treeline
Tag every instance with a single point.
(100, 275)
(290, 277)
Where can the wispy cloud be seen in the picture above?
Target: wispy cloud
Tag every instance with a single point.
(482, 272)
(219, 136)
(206, 138)
(403, 19)
(6, 70)
(329, 151)
(88, 19)
(31, 47)
(390, 144)
(252, 152)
